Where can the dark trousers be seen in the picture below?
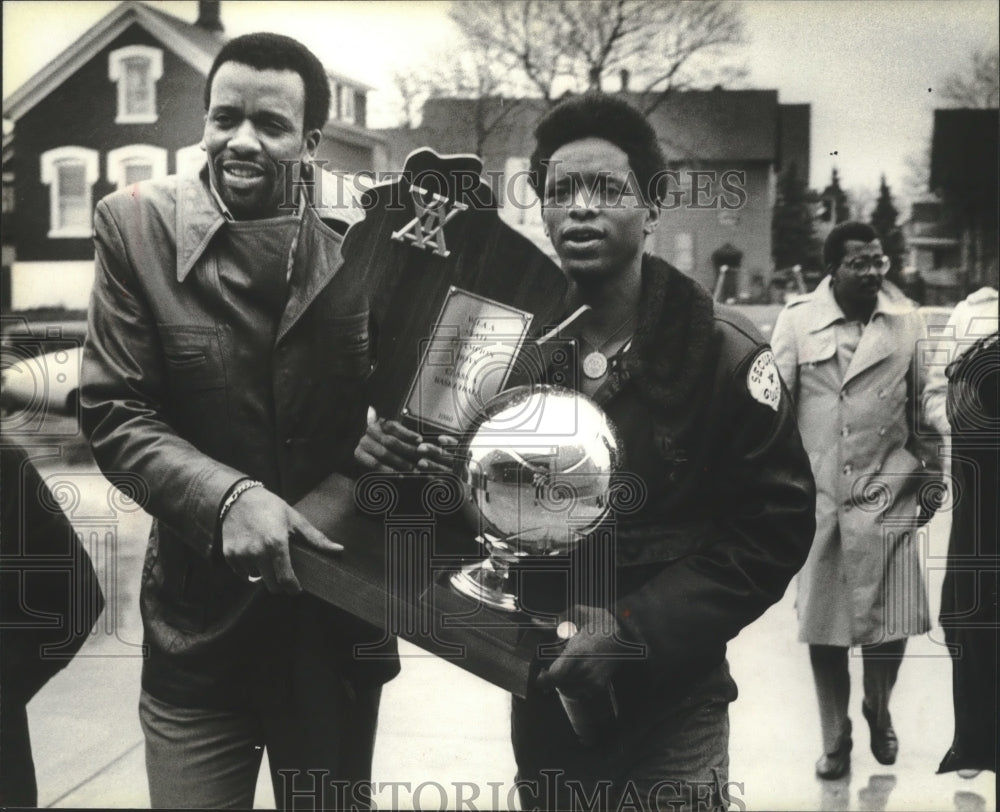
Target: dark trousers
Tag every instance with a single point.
(833, 685)
(974, 672)
(670, 751)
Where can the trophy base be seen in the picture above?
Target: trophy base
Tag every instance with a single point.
(484, 584)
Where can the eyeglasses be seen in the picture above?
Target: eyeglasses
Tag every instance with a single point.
(860, 264)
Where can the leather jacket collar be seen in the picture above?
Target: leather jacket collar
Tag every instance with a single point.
(199, 216)
(198, 219)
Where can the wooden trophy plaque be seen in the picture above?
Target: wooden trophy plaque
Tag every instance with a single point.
(457, 299)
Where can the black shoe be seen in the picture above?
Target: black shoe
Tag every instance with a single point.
(885, 744)
(836, 764)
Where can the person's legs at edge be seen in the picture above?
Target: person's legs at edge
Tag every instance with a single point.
(17, 768)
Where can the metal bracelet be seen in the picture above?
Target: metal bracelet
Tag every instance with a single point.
(235, 494)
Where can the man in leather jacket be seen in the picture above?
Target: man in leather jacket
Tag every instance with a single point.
(722, 517)
(225, 364)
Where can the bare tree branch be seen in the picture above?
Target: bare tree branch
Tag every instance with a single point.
(980, 87)
(475, 75)
(581, 43)
(518, 49)
(411, 92)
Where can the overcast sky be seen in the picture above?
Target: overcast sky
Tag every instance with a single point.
(868, 68)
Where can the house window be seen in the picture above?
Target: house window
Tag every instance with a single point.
(136, 162)
(70, 173)
(347, 113)
(8, 192)
(136, 70)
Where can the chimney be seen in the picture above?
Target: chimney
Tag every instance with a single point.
(624, 74)
(209, 15)
(595, 79)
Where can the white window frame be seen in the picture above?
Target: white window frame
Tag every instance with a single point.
(347, 108)
(116, 73)
(190, 159)
(118, 160)
(50, 176)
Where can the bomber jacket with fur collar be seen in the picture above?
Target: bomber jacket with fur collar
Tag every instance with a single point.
(716, 510)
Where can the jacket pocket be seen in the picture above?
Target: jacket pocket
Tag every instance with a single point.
(897, 487)
(176, 583)
(197, 398)
(193, 358)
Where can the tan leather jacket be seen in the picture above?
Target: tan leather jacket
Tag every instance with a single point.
(186, 386)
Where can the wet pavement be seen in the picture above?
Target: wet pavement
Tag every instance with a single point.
(443, 734)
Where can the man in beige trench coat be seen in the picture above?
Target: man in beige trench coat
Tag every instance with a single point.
(850, 354)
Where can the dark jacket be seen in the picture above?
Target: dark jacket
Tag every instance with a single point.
(720, 508)
(190, 383)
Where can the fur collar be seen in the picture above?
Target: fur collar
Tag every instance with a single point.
(670, 359)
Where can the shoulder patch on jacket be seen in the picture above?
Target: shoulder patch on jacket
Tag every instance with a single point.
(763, 380)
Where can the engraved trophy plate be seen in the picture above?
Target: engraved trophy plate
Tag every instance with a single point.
(433, 228)
(467, 361)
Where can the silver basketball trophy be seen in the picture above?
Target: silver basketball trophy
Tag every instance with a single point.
(539, 464)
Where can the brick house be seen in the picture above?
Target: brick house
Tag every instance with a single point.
(952, 236)
(123, 103)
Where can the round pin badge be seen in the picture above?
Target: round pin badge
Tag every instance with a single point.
(595, 365)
